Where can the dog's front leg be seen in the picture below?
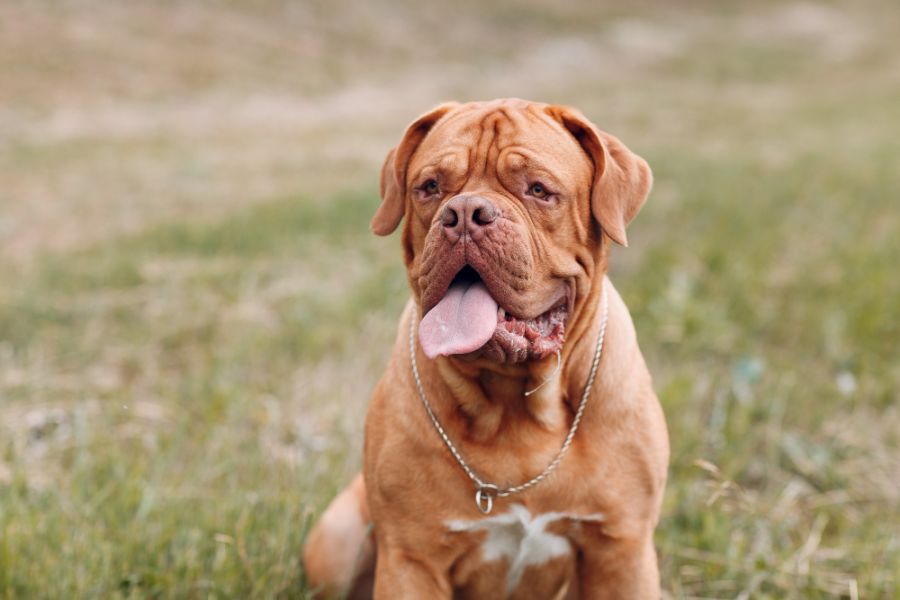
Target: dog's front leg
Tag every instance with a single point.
(619, 570)
(399, 576)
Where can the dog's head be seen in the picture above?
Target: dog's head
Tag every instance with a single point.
(508, 206)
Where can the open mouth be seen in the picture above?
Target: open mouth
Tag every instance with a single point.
(468, 321)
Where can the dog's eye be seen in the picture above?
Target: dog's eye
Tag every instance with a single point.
(430, 187)
(538, 191)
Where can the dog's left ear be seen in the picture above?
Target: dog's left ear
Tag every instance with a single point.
(622, 179)
(393, 172)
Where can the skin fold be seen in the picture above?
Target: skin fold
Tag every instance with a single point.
(529, 197)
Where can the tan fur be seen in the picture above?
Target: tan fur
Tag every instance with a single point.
(616, 466)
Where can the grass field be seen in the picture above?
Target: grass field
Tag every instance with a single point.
(193, 313)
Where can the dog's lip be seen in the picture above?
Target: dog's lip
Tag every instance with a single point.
(561, 296)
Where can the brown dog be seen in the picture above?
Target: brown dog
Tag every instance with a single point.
(509, 210)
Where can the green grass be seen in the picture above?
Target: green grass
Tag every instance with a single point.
(748, 359)
(168, 469)
(192, 317)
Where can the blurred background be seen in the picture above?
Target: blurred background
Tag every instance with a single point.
(193, 311)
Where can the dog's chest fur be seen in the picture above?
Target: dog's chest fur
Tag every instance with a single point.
(525, 555)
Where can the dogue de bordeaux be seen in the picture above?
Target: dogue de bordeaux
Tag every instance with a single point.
(514, 448)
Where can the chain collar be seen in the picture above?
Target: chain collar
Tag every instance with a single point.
(486, 492)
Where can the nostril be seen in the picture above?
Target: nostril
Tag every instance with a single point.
(449, 218)
(484, 215)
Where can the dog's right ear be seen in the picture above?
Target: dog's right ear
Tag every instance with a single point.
(622, 179)
(393, 172)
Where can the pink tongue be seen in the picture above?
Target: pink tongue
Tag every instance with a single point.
(463, 321)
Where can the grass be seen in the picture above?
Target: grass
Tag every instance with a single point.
(160, 398)
(193, 313)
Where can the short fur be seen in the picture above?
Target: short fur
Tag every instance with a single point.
(610, 484)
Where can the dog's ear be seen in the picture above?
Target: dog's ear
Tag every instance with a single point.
(393, 172)
(622, 179)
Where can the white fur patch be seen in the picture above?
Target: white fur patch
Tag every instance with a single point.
(521, 539)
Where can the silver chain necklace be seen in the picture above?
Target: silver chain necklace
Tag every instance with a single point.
(486, 492)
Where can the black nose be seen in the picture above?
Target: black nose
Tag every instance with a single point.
(468, 214)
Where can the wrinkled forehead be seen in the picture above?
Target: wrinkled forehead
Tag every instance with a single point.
(484, 131)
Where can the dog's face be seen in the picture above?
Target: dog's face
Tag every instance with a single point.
(506, 204)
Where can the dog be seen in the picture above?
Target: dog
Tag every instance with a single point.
(514, 447)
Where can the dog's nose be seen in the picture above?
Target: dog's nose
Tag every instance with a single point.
(469, 214)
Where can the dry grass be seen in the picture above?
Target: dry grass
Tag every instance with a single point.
(192, 312)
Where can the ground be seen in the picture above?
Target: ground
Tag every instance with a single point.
(193, 313)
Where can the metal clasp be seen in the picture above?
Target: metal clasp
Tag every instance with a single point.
(484, 497)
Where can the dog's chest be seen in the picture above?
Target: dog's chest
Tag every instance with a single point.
(516, 554)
